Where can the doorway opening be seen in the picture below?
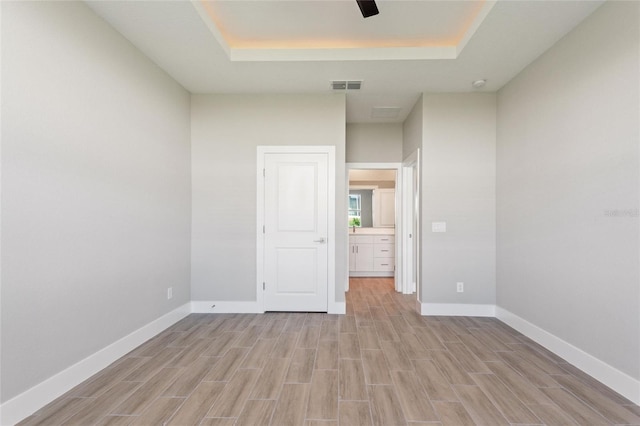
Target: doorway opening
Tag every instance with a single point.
(385, 241)
(372, 222)
(376, 298)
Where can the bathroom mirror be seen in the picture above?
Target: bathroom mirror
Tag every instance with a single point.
(360, 208)
(372, 198)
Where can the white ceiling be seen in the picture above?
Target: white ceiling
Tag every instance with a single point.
(307, 24)
(261, 46)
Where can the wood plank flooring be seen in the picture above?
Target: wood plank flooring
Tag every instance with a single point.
(381, 364)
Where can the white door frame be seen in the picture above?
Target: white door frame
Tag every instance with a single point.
(398, 229)
(330, 150)
(411, 216)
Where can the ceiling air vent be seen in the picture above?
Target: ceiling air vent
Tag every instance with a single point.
(346, 84)
(339, 85)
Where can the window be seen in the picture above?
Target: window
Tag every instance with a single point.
(355, 210)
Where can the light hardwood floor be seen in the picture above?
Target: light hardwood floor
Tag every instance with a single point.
(381, 364)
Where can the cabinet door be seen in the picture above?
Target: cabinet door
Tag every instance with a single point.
(383, 250)
(362, 239)
(364, 257)
(384, 239)
(383, 264)
(352, 256)
(384, 214)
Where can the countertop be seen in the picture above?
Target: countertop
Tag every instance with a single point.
(372, 231)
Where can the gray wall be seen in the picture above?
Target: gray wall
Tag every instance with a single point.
(95, 190)
(226, 129)
(374, 143)
(412, 130)
(568, 191)
(458, 187)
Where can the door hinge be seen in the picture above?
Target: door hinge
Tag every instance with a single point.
(263, 229)
(263, 286)
(264, 173)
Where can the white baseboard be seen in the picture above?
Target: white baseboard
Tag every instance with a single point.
(235, 307)
(457, 310)
(25, 404)
(224, 307)
(621, 382)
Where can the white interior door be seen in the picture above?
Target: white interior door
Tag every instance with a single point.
(409, 259)
(296, 231)
(411, 225)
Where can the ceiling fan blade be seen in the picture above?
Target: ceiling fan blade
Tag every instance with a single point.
(367, 7)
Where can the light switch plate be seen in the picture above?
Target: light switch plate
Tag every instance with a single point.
(438, 226)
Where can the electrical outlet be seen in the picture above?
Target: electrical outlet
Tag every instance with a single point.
(460, 287)
(169, 293)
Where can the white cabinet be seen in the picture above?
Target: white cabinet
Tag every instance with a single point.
(384, 208)
(383, 239)
(352, 255)
(371, 255)
(383, 253)
(361, 253)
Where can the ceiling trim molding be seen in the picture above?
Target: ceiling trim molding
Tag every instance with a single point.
(345, 54)
(200, 7)
(479, 19)
(340, 54)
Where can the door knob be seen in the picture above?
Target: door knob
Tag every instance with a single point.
(321, 240)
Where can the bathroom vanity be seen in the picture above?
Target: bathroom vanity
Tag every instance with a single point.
(372, 252)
